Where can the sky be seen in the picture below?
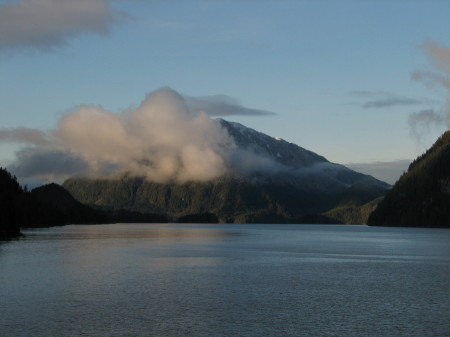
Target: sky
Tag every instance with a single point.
(363, 83)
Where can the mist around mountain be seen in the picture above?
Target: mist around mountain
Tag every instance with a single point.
(272, 181)
(421, 197)
(166, 159)
(268, 180)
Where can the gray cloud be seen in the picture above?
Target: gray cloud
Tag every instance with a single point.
(381, 99)
(388, 171)
(24, 135)
(390, 102)
(222, 105)
(46, 24)
(47, 165)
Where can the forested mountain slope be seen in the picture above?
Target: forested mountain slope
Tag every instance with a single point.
(421, 197)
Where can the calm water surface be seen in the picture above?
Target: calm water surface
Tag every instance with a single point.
(225, 280)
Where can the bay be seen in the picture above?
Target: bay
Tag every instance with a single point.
(225, 280)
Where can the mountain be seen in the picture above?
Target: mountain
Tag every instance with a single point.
(286, 183)
(421, 197)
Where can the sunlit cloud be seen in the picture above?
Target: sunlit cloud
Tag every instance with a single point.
(166, 138)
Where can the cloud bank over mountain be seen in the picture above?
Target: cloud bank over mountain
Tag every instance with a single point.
(166, 138)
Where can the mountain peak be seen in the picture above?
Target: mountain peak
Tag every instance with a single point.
(274, 148)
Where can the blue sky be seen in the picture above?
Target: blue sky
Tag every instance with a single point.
(338, 75)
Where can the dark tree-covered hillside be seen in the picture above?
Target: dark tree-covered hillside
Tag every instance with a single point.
(11, 197)
(52, 205)
(45, 206)
(421, 197)
(57, 201)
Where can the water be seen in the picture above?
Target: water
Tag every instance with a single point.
(225, 280)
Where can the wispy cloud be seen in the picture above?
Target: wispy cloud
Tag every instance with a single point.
(439, 57)
(424, 120)
(222, 105)
(382, 99)
(47, 24)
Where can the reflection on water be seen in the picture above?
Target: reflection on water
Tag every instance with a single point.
(225, 280)
(154, 232)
